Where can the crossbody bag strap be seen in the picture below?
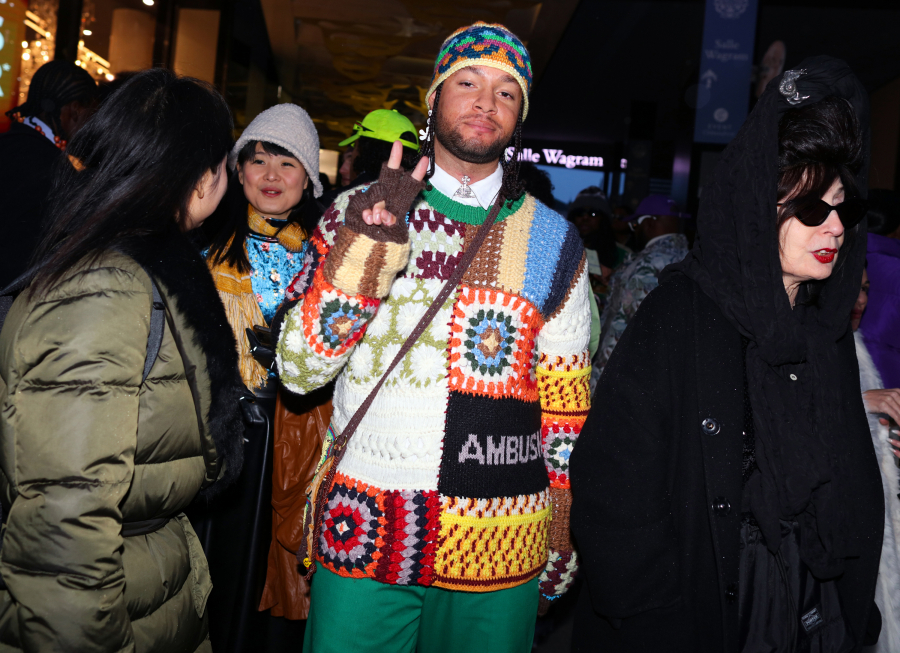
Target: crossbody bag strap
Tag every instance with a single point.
(458, 272)
(157, 327)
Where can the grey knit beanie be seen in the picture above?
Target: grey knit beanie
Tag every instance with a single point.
(290, 127)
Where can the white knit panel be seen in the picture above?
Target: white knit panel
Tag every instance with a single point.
(569, 331)
(398, 444)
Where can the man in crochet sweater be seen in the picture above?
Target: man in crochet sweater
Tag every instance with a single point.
(448, 519)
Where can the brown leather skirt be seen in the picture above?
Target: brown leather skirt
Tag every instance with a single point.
(299, 428)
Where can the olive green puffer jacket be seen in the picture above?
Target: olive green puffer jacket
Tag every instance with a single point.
(85, 447)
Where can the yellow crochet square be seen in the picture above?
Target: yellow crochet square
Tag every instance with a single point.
(487, 553)
(565, 393)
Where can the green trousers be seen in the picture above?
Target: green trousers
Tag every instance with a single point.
(365, 616)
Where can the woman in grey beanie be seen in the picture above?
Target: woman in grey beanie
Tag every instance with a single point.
(253, 258)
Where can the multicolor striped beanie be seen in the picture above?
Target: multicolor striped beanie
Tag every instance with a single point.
(484, 44)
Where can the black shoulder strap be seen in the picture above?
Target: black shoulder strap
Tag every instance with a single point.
(157, 313)
(8, 295)
(157, 326)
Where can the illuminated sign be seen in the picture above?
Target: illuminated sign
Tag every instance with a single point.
(726, 66)
(556, 157)
(570, 155)
(12, 29)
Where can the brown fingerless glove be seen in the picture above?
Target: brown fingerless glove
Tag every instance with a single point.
(366, 258)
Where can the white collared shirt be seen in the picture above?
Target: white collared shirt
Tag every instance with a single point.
(32, 122)
(485, 190)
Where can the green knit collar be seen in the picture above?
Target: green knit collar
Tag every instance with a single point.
(474, 215)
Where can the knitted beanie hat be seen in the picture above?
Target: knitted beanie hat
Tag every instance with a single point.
(290, 127)
(484, 44)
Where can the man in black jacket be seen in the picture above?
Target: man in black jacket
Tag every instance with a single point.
(60, 99)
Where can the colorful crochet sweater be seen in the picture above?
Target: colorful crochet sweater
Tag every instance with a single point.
(457, 477)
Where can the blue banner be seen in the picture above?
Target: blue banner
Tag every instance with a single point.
(726, 64)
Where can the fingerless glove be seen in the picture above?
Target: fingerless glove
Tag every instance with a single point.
(366, 258)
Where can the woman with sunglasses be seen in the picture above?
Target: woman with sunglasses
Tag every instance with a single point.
(726, 492)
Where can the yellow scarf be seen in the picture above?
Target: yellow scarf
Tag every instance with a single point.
(236, 290)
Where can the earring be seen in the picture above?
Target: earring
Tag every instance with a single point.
(423, 133)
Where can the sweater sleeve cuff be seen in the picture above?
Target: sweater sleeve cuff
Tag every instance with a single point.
(562, 563)
(361, 265)
(559, 573)
(366, 257)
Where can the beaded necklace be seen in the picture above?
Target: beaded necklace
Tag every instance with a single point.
(61, 144)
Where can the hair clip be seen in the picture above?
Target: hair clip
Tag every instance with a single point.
(788, 87)
(76, 163)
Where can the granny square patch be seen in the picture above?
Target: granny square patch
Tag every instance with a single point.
(492, 346)
(332, 321)
(559, 447)
(350, 528)
(338, 319)
(435, 244)
(489, 342)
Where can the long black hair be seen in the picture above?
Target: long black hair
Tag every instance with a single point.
(228, 242)
(136, 163)
(512, 187)
(817, 144)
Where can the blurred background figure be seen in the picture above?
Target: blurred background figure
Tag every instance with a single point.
(537, 182)
(656, 225)
(882, 408)
(326, 183)
(346, 170)
(881, 321)
(61, 98)
(591, 214)
(624, 234)
(367, 149)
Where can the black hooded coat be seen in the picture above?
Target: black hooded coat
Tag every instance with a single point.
(657, 472)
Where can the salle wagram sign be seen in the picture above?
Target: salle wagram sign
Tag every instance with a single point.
(571, 155)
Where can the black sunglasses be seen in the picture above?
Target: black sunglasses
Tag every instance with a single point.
(814, 211)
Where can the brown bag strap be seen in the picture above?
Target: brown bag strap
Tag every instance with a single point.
(341, 440)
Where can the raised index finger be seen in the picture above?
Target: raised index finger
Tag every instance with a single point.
(396, 155)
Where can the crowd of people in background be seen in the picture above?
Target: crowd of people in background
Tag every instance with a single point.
(242, 410)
